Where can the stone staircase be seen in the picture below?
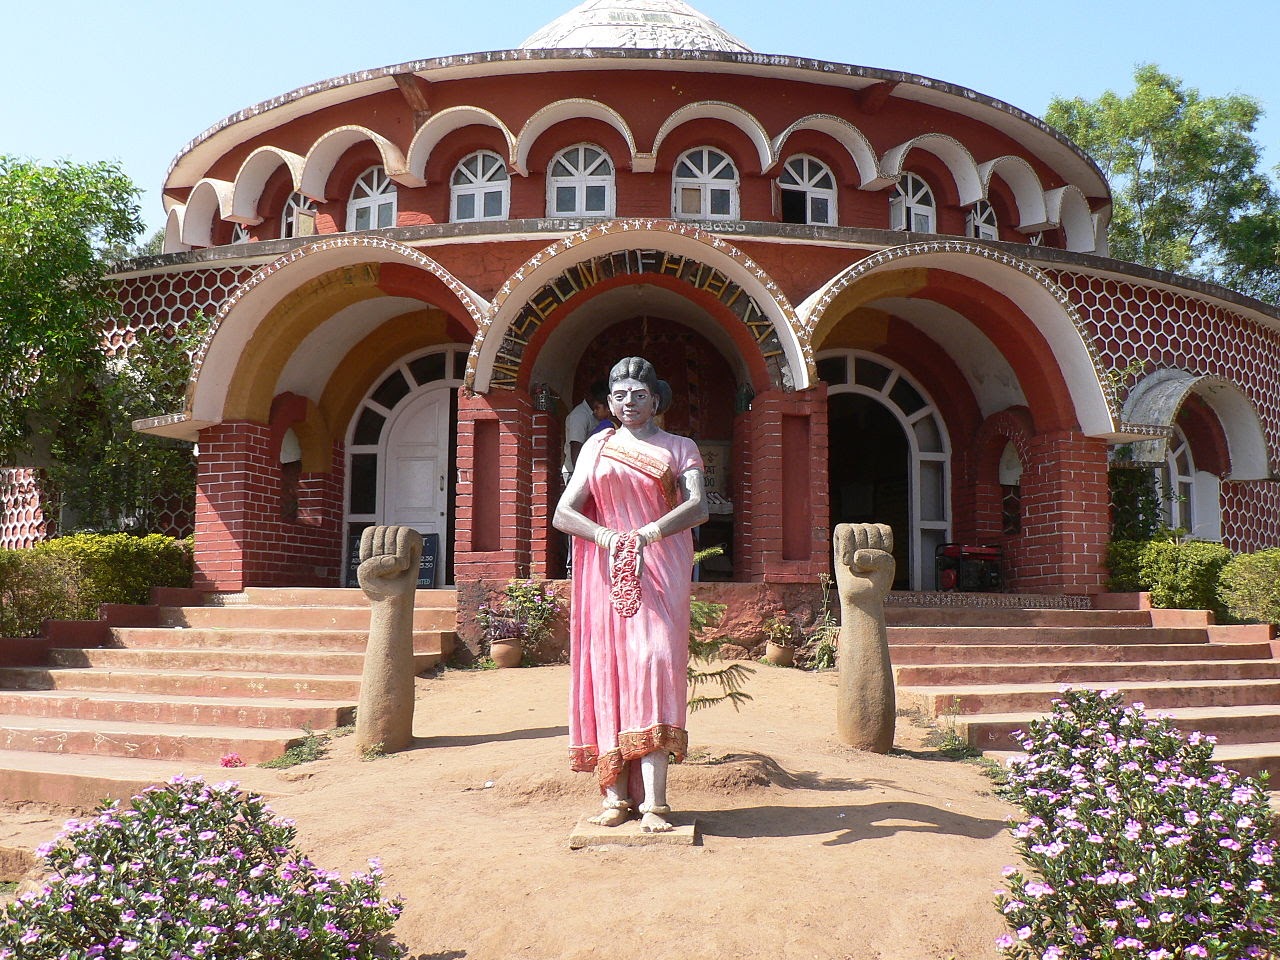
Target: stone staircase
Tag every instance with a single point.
(245, 673)
(991, 669)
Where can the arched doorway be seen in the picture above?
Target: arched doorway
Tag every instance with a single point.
(401, 454)
(888, 458)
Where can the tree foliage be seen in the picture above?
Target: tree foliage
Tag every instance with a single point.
(1184, 171)
(69, 400)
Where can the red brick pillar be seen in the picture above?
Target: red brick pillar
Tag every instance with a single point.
(744, 558)
(1065, 515)
(495, 456)
(788, 503)
(546, 544)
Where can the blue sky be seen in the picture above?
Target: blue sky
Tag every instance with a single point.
(134, 81)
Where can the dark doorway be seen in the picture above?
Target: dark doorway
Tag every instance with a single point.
(870, 472)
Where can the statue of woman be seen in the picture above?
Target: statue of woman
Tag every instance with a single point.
(635, 495)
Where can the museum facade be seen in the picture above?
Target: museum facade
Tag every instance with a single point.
(878, 297)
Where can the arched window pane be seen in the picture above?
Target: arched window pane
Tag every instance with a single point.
(580, 183)
(911, 207)
(808, 192)
(373, 201)
(705, 186)
(480, 188)
(299, 217)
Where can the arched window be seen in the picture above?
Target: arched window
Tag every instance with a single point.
(705, 186)
(808, 192)
(373, 201)
(911, 207)
(981, 223)
(480, 188)
(240, 233)
(580, 183)
(299, 217)
(1177, 484)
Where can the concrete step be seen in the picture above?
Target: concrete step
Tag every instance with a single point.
(219, 683)
(325, 596)
(210, 638)
(1086, 674)
(1049, 653)
(1012, 617)
(991, 635)
(239, 660)
(80, 783)
(257, 712)
(1247, 759)
(148, 741)
(243, 616)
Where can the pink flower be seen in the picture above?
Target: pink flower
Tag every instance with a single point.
(231, 760)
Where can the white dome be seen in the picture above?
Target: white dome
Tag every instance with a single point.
(638, 24)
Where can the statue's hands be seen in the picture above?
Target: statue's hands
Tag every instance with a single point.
(389, 558)
(864, 557)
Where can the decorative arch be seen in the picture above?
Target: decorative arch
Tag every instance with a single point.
(328, 150)
(1028, 192)
(339, 262)
(571, 109)
(1156, 399)
(849, 137)
(728, 112)
(173, 230)
(446, 122)
(210, 198)
(252, 178)
(1068, 207)
(680, 252)
(1041, 301)
(950, 151)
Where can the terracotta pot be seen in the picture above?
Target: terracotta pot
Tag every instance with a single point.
(506, 652)
(779, 655)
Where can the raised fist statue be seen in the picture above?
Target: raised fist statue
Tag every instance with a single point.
(865, 705)
(388, 574)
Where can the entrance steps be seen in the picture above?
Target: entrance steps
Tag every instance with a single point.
(989, 670)
(244, 673)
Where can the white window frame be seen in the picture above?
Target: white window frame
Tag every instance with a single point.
(981, 224)
(298, 210)
(1178, 484)
(702, 171)
(240, 233)
(583, 166)
(478, 176)
(810, 176)
(376, 193)
(924, 534)
(912, 206)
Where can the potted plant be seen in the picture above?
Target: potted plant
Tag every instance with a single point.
(780, 631)
(521, 619)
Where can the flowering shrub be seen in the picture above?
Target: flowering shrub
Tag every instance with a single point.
(527, 611)
(1139, 846)
(194, 872)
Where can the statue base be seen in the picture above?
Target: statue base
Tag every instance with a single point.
(629, 834)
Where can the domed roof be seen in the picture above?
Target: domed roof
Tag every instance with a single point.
(639, 24)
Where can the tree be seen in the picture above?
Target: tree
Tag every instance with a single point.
(68, 398)
(1188, 194)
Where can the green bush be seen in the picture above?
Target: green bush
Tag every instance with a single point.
(67, 578)
(1179, 575)
(195, 871)
(1249, 587)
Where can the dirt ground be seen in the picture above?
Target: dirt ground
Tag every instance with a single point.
(809, 849)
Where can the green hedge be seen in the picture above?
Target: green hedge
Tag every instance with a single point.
(1249, 587)
(1179, 575)
(67, 578)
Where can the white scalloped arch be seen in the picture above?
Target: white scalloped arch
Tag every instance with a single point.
(848, 136)
(1067, 207)
(210, 198)
(173, 230)
(252, 178)
(1028, 191)
(328, 150)
(728, 112)
(446, 122)
(954, 154)
(571, 109)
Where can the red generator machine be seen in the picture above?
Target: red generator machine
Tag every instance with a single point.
(971, 569)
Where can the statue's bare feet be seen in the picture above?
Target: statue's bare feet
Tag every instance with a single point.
(615, 812)
(652, 821)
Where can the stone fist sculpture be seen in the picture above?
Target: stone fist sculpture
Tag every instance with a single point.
(865, 706)
(388, 574)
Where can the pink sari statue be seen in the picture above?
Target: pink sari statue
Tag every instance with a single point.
(634, 496)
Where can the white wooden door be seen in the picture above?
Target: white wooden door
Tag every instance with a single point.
(415, 490)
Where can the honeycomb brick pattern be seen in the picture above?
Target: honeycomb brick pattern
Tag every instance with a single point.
(22, 522)
(1131, 321)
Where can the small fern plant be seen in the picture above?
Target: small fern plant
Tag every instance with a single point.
(706, 669)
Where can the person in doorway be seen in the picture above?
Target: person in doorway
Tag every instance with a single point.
(630, 506)
(583, 420)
